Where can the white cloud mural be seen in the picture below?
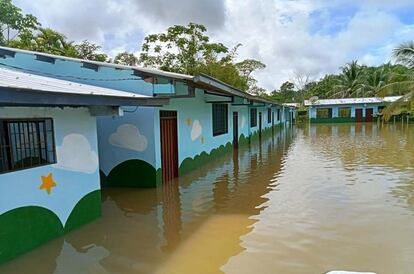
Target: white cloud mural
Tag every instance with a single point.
(82, 159)
(128, 136)
(196, 130)
(243, 121)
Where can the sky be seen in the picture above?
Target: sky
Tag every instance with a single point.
(292, 37)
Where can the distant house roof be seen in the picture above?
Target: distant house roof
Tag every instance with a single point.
(351, 101)
(17, 87)
(293, 105)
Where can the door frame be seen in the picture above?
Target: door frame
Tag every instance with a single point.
(260, 124)
(359, 119)
(235, 129)
(171, 171)
(369, 118)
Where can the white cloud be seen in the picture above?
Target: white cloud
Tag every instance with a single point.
(75, 154)
(277, 32)
(128, 136)
(196, 130)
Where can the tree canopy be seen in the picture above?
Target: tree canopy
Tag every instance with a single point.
(188, 50)
(25, 32)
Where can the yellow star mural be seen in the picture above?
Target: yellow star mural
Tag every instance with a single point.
(188, 121)
(47, 183)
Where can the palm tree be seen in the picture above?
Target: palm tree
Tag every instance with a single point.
(375, 79)
(403, 54)
(349, 83)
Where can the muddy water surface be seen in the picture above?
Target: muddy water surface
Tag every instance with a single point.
(305, 200)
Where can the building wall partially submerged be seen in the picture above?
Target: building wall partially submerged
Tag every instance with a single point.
(130, 146)
(29, 215)
(313, 118)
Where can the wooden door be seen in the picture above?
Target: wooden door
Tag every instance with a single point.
(260, 124)
(358, 115)
(368, 114)
(235, 129)
(169, 145)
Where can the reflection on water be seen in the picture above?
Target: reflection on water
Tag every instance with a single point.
(306, 200)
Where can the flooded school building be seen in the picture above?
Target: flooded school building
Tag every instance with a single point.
(347, 110)
(69, 126)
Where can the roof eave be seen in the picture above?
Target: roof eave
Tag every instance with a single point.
(29, 97)
(205, 81)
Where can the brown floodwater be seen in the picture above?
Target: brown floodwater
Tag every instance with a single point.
(304, 200)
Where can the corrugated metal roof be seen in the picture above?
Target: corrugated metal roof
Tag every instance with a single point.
(351, 101)
(105, 64)
(22, 80)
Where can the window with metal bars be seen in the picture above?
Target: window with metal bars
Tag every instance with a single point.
(269, 115)
(253, 117)
(220, 119)
(26, 143)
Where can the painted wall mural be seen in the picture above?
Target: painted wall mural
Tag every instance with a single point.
(81, 159)
(42, 203)
(196, 130)
(128, 136)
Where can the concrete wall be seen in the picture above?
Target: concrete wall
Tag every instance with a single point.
(30, 215)
(130, 147)
(335, 110)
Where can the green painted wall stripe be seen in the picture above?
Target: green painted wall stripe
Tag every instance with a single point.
(133, 173)
(25, 228)
(85, 211)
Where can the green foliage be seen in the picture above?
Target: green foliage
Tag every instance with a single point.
(188, 50)
(25, 32)
(404, 54)
(180, 49)
(321, 88)
(285, 94)
(13, 23)
(89, 51)
(349, 82)
(126, 58)
(50, 41)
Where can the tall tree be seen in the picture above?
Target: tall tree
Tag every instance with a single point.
(188, 50)
(13, 23)
(349, 83)
(180, 49)
(404, 84)
(90, 51)
(126, 58)
(375, 79)
(50, 41)
(404, 54)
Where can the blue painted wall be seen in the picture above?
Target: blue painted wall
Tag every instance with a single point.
(75, 173)
(335, 109)
(137, 134)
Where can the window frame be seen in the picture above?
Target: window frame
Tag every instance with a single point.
(329, 113)
(269, 115)
(6, 144)
(219, 131)
(340, 109)
(253, 117)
